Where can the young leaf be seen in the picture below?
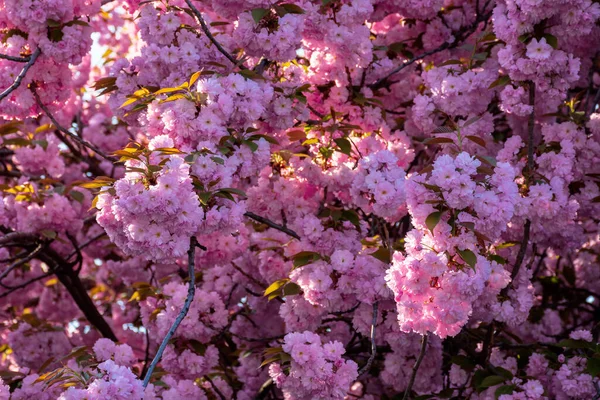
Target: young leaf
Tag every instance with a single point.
(304, 258)
(258, 14)
(432, 220)
(344, 145)
(438, 140)
(502, 81)
(491, 381)
(275, 286)
(469, 257)
(476, 139)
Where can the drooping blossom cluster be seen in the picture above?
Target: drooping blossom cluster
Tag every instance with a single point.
(152, 215)
(317, 370)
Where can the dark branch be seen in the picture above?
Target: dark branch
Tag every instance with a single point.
(24, 284)
(182, 313)
(15, 59)
(272, 224)
(459, 37)
(367, 366)
(411, 382)
(20, 262)
(530, 167)
(67, 132)
(21, 75)
(211, 37)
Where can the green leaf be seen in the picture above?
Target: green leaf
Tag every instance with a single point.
(258, 14)
(217, 160)
(551, 40)
(269, 139)
(53, 23)
(469, 257)
(292, 8)
(505, 373)
(505, 389)
(383, 254)
(498, 259)
(238, 192)
(450, 62)
(275, 286)
(352, 216)
(310, 141)
(16, 142)
(574, 344)
(524, 38)
(506, 245)
(464, 362)
(344, 145)
(593, 366)
(491, 381)
(432, 220)
(305, 257)
(480, 56)
(502, 81)
(204, 197)
(49, 234)
(253, 146)
(77, 196)
(291, 289)
(42, 143)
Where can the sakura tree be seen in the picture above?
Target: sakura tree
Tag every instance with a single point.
(299, 199)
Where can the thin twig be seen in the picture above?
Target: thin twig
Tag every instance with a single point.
(215, 388)
(460, 36)
(530, 167)
(186, 306)
(22, 285)
(22, 261)
(86, 244)
(530, 128)
(211, 37)
(147, 354)
(367, 366)
(21, 75)
(15, 59)
(272, 224)
(411, 382)
(67, 132)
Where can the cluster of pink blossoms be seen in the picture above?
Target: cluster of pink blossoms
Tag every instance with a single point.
(206, 316)
(446, 270)
(378, 186)
(154, 216)
(317, 371)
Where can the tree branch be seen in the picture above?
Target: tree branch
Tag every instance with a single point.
(66, 132)
(411, 382)
(211, 37)
(22, 261)
(530, 167)
(460, 36)
(272, 224)
(64, 273)
(182, 313)
(15, 59)
(24, 284)
(21, 75)
(367, 366)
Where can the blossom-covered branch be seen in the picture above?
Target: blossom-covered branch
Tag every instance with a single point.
(17, 82)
